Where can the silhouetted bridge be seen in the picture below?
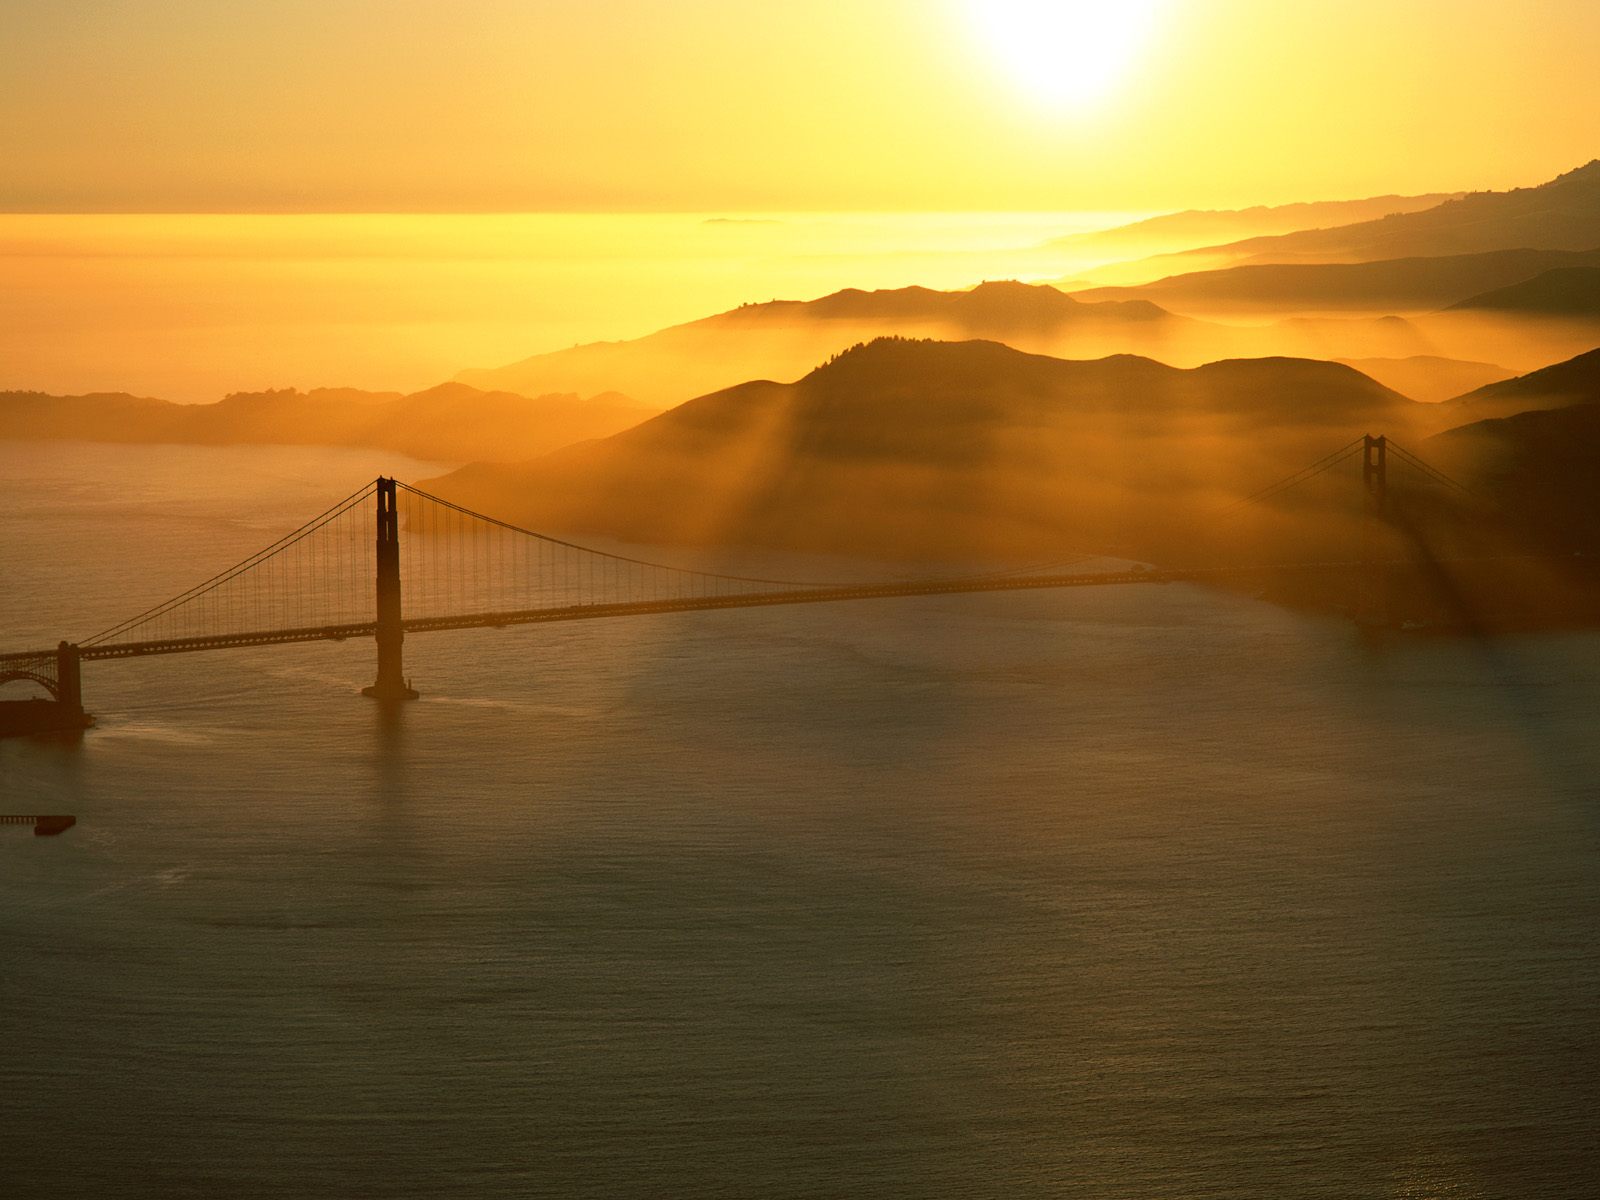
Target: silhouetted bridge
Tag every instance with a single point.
(465, 570)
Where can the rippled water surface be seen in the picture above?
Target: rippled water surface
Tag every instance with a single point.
(1107, 893)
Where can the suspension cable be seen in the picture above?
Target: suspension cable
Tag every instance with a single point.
(1427, 468)
(255, 560)
(543, 537)
(1326, 463)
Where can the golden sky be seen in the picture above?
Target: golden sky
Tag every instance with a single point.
(679, 105)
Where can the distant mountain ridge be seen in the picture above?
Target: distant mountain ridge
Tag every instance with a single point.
(1289, 218)
(784, 338)
(1561, 214)
(451, 422)
(1000, 302)
(1421, 284)
(1521, 308)
(1427, 377)
(1126, 246)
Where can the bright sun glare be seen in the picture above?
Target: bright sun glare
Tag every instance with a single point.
(1066, 52)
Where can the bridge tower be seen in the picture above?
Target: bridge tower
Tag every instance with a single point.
(69, 682)
(391, 683)
(1373, 602)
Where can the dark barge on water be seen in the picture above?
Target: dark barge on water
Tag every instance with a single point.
(43, 826)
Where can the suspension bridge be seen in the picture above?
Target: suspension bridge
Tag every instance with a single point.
(343, 574)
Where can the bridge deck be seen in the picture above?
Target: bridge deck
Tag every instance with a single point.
(584, 612)
(639, 608)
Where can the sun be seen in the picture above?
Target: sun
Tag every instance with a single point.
(1066, 53)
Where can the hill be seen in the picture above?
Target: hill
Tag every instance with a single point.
(784, 338)
(1563, 385)
(938, 450)
(451, 422)
(1539, 469)
(1565, 292)
(93, 417)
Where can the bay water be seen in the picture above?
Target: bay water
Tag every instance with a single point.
(1143, 892)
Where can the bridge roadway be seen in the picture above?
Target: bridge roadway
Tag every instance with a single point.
(581, 612)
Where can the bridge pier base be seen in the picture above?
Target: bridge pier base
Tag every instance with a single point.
(391, 693)
(391, 683)
(63, 713)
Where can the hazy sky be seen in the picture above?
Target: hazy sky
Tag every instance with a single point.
(672, 105)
